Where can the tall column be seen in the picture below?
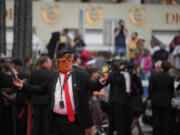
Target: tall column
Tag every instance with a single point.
(28, 29)
(82, 28)
(2, 27)
(22, 44)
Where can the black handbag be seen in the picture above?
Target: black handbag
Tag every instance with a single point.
(137, 104)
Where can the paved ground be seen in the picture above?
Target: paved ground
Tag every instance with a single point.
(146, 129)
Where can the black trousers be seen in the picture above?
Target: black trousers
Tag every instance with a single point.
(21, 123)
(161, 120)
(2, 114)
(40, 118)
(8, 120)
(120, 119)
(62, 126)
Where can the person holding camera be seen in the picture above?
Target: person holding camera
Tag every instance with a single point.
(120, 35)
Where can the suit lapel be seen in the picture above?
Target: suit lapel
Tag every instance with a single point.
(74, 87)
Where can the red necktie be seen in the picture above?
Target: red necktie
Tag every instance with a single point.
(70, 112)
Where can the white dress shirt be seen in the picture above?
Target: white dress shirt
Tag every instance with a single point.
(57, 95)
(153, 49)
(127, 81)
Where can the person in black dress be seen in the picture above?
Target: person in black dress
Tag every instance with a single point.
(136, 98)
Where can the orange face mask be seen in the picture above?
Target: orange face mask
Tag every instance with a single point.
(65, 63)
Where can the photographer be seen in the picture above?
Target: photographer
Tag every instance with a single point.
(120, 35)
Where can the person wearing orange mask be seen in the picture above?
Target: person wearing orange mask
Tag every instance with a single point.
(64, 62)
(68, 105)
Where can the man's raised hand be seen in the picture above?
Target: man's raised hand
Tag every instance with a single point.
(18, 83)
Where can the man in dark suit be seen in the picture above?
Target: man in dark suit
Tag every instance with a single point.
(68, 111)
(119, 102)
(161, 93)
(40, 102)
(52, 44)
(161, 54)
(59, 40)
(76, 62)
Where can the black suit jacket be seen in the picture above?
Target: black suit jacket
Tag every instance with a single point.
(178, 87)
(52, 44)
(78, 67)
(160, 55)
(38, 77)
(81, 83)
(117, 88)
(161, 88)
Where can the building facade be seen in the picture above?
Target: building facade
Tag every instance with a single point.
(160, 21)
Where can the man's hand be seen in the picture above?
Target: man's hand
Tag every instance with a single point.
(9, 97)
(102, 94)
(19, 83)
(95, 93)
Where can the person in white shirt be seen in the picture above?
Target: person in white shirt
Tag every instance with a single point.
(153, 47)
(67, 89)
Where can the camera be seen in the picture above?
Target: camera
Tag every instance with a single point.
(121, 22)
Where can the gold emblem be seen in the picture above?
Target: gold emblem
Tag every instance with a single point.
(94, 15)
(138, 15)
(50, 13)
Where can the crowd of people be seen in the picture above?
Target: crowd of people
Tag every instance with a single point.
(71, 91)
